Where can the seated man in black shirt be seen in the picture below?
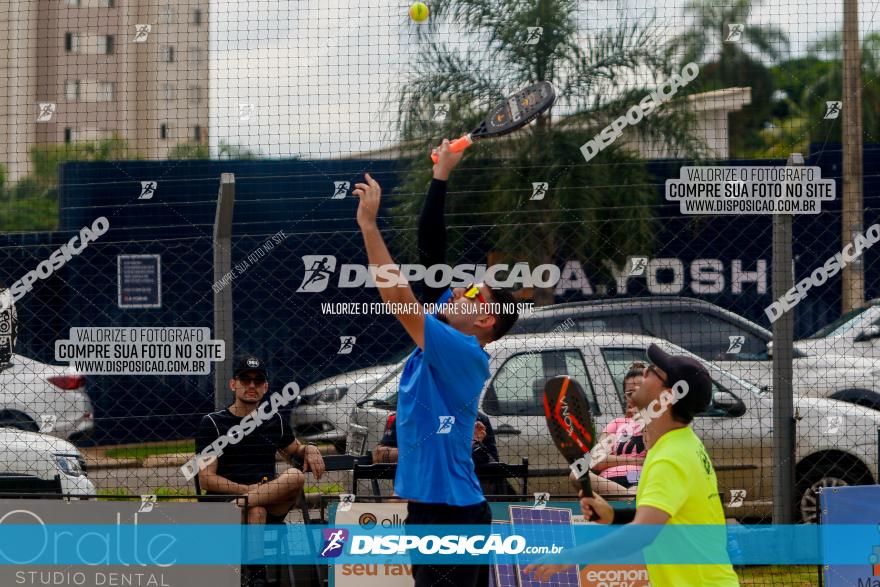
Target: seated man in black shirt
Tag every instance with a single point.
(247, 466)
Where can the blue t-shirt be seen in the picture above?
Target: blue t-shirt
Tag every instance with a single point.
(436, 413)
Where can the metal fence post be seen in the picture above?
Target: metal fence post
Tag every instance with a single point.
(223, 294)
(783, 343)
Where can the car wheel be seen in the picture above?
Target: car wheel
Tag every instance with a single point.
(807, 495)
(19, 420)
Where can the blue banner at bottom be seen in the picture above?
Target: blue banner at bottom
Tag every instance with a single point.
(178, 544)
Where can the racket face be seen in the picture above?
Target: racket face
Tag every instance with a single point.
(569, 418)
(517, 111)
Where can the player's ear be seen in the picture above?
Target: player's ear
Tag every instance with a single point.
(232, 384)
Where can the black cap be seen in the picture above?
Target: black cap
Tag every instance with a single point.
(678, 368)
(247, 363)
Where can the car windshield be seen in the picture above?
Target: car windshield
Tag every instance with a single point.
(846, 322)
(386, 390)
(712, 367)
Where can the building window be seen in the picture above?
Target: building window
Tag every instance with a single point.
(169, 54)
(106, 91)
(109, 44)
(196, 16)
(195, 95)
(197, 133)
(68, 134)
(163, 131)
(71, 90)
(70, 42)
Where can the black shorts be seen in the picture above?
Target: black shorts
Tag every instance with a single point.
(423, 514)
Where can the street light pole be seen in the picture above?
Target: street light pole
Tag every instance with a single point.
(852, 218)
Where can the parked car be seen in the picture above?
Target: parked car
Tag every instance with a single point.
(709, 332)
(322, 409)
(856, 333)
(837, 442)
(37, 397)
(38, 463)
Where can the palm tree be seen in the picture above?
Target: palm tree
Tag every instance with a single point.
(829, 85)
(732, 64)
(592, 211)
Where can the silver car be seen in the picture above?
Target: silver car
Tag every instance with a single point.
(837, 442)
(37, 397)
(322, 409)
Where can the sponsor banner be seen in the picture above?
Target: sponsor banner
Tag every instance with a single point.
(840, 508)
(372, 573)
(34, 539)
(92, 543)
(616, 575)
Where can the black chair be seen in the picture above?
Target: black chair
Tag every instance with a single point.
(488, 472)
(373, 472)
(505, 471)
(294, 576)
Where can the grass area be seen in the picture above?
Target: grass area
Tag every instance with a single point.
(147, 450)
(793, 576)
(120, 492)
(109, 494)
(332, 488)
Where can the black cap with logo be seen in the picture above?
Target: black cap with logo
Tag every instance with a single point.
(247, 363)
(690, 370)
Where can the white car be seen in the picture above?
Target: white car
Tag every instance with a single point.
(856, 334)
(39, 463)
(322, 409)
(715, 334)
(837, 442)
(36, 397)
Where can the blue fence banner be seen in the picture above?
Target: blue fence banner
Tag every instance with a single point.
(845, 548)
(843, 507)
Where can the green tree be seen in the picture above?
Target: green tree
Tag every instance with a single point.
(592, 211)
(827, 85)
(725, 64)
(189, 150)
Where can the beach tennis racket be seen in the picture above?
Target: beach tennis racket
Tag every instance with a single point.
(512, 114)
(570, 422)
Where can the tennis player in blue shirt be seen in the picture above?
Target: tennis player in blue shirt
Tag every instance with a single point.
(442, 379)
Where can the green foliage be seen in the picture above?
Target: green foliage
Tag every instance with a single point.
(190, 150)
(45, 159)
(593, 210)
(728, 64)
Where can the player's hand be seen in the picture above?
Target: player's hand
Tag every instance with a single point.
(370, 194)
(544, 572)
(479, 432)
(447, 162)
(597, 505)
(313, 461)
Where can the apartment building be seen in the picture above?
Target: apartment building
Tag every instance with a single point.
(136, 68)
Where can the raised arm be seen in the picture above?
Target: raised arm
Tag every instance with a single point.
(392, 285)
(432, 222)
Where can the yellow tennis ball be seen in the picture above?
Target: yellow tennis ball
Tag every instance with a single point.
(418, 12)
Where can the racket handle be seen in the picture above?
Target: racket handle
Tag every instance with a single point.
(456, 146)
(588, 492)
(585, 485)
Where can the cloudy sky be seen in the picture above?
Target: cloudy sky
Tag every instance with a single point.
(321, 74)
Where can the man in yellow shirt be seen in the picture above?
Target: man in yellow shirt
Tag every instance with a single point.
(678, 483)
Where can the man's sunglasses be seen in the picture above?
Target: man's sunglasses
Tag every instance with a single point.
(653, 369)
(254, 380)
(473, 292)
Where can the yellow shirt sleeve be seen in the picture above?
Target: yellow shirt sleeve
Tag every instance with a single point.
(663, 485)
